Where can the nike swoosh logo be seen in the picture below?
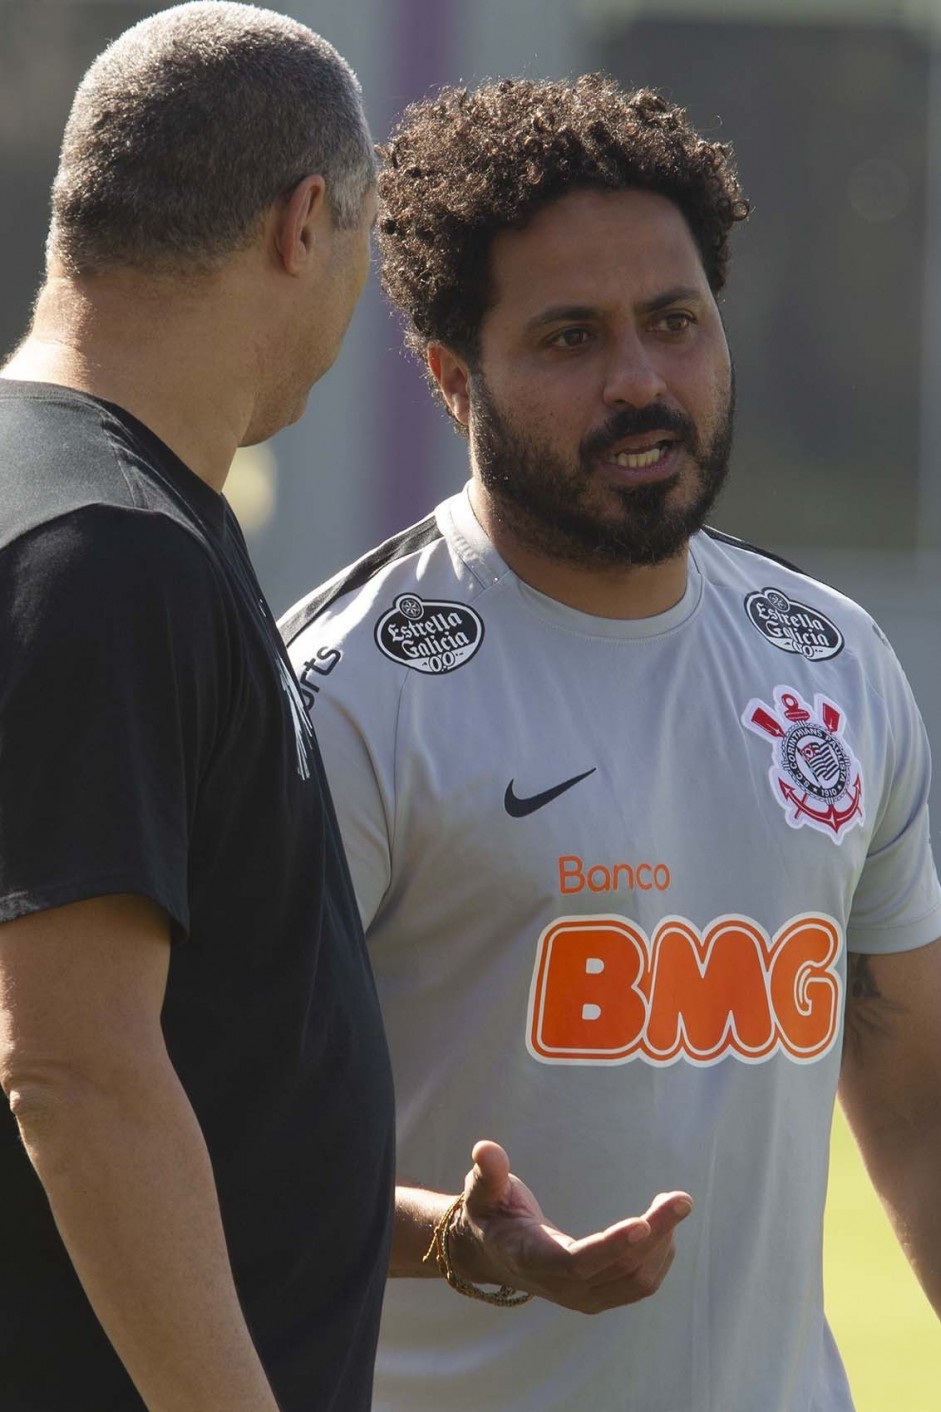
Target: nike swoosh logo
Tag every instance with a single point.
(518, 808)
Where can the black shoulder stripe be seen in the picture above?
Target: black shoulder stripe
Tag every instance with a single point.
(401, 544)
(752, 548)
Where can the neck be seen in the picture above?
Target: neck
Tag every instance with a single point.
(164, 350)
(611, 591)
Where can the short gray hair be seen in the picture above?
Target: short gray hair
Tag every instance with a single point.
(187, 129)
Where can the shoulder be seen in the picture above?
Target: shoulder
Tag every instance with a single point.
(795, 612)
(63, 451)
(56, 456)
(417, 574)
(445, 559)
(351, 592)
(110, 542)
(110, 573)
(404, 610)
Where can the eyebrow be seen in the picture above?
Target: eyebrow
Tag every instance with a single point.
(683, 293)
(564, 313)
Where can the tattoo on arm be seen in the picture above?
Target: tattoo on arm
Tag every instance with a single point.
(869, 1015)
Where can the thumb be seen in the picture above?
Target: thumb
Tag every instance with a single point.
(487, 1180)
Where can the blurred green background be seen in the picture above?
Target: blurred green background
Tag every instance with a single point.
(886, 1330)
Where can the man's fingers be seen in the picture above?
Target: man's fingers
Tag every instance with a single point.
(645, 1265)
(487, 1181)
(491, 1156)
(593, 1255)
(667, 1210)
(629, 1243)
(634, 1273)
(634, 1286)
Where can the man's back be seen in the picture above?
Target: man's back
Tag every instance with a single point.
(147, 696)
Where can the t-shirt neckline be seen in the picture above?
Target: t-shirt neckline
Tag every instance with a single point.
(459, 512)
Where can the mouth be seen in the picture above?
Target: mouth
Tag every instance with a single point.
(649, 453)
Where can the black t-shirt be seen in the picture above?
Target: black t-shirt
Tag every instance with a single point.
(153, 741)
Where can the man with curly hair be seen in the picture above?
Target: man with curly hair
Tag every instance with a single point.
(636, 813)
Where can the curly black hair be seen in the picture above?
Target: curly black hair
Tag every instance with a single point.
(464, 165)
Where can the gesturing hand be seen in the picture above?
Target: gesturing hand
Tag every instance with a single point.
(501, 1236)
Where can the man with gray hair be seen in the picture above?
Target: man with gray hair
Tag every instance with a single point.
(196, 1169)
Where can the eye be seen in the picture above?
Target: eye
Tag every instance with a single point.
(675, 321)
(570, 338)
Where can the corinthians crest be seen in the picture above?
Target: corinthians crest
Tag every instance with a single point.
(814, 774)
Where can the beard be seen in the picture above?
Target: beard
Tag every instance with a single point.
(544, 500)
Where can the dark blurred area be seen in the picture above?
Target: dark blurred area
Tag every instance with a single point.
(44, 50)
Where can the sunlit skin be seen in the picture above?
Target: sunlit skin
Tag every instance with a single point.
(601, 304)
(320, 323)
(230, 356)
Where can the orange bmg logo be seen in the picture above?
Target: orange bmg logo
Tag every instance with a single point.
(603, 994)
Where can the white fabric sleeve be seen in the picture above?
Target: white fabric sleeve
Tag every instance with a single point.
(897, 903)
(358, 754)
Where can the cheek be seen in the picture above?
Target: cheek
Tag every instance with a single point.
(722, 373)
(545, 410)
(705, 397)
(362, 273)
(722, 398)
(552, 428)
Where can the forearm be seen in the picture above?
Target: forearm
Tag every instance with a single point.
(129, 1181)
(417, 1211)
(905, 1167)
(890, 1088)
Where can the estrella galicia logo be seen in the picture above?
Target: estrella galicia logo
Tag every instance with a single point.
(794, 627)
(429, 636)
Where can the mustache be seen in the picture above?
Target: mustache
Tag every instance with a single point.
(634, 421)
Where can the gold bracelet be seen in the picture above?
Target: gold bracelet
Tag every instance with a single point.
(505, 1296)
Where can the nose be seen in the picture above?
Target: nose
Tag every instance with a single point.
(632, 377)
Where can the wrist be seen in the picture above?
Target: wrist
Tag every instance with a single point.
(453, 1233)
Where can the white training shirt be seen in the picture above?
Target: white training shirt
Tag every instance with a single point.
(609, 872)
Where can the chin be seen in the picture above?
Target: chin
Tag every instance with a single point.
(295, 413)
(274, 419)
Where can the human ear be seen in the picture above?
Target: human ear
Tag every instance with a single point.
(453, 378)
(298, 223)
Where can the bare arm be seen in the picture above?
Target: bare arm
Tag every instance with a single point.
(119, 1152)
(502, 1237)
(890, 1088)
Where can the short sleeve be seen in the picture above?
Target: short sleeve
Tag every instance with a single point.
(897, 903)
(113, 668)
(358, 761)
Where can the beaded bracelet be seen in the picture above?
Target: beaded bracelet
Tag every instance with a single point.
(505, 1296)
